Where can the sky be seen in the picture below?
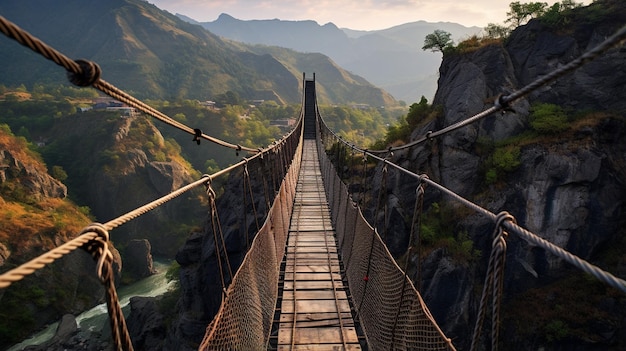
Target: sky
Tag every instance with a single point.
(353, 14)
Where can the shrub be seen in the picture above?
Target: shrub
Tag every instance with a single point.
(506, 158)
(548, 118)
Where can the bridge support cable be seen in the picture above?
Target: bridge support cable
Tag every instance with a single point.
(494, 282)
(85, 73)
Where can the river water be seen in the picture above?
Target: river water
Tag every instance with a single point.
(97, 317)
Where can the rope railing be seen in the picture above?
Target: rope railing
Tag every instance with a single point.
(503, 102)
(390, 310)
(86, 73)
(245, 317)
(585, 266)
(494, 279)
(95, 237)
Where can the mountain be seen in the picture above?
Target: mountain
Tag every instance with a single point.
(391, 58)
(150, 53)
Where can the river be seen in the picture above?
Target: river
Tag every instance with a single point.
(95, 318)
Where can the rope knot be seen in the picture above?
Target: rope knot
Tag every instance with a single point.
(429, 135)
(89, 73)
(502, 104)
(499, 231)
(197, 134)
(245, 167)
(98, 248)
(209, 190)
(238, 150)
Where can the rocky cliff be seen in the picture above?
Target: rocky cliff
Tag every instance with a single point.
(126, 163)
(37, 217)
(565, 184)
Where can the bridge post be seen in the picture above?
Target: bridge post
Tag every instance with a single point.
(310, 110)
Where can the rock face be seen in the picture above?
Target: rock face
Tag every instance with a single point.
(569, 187)
(138, 259)
(32, 176)
(146, 324)
(141, 181)
(200, 280)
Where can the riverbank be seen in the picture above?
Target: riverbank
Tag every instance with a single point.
(96, 319)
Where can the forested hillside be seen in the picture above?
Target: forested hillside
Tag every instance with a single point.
(156, 55)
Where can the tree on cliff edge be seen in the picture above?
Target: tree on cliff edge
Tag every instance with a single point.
(439, 40)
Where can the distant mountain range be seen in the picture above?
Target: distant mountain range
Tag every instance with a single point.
(392, 58)
(154, 54)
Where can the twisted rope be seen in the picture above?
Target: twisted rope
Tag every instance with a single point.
(530, 237)
(493, 283)
(98, 248)
(86, 73)
(217, 229)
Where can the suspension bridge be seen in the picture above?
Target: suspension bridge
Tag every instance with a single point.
(317, 275)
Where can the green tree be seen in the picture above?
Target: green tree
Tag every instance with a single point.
(58, 173)
(439, 40)
(554, 15)
(418, 111)
(228, 98)
(496, 31)
(521, 13)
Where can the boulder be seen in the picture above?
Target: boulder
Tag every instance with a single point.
(138, 259)
(146, 324)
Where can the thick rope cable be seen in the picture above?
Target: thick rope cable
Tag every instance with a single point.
(86, 73)
(99, 250)
(530, 237)
(218, 256)
(493, 284)
(18, 273)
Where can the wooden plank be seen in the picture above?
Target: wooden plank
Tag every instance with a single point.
(316, 317)
(312, 268)
(314, 295)
(321, 347)
(314, 255)
(302, 243)
(302, 249)
(322, 335)
(312, 276)
(320, 233)
(314, 259)
(315, 306)
(321, 322)
(309, 285)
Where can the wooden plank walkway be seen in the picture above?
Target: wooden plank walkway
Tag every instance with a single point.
(315, 311)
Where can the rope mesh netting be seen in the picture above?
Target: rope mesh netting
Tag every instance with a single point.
(245, 318)
(390, 309)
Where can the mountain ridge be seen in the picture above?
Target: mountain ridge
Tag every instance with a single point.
(385, 57)
(144, 50)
